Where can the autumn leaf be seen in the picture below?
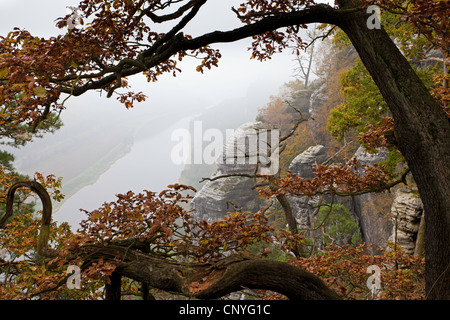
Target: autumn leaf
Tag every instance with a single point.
(4, 72)
(40, 92)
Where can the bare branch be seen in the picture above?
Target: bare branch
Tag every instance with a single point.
(297, 122)
(172, 16)
(174, 42)
(245, 175)
(338, 152)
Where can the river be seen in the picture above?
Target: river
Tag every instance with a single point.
(138, 170)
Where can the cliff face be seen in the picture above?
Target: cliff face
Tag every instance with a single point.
(318, 97)
(373, 209)
(382, 217)
(303, 166)
(407, 211)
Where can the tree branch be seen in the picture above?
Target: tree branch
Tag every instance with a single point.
(216, 279)
(173, 43)
(43, 248)
(171, 16)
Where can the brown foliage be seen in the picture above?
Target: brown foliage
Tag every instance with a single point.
(344, 269)
(351, 178)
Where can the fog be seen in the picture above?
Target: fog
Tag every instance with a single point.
(171, 102)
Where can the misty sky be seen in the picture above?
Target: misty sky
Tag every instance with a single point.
(236, 73)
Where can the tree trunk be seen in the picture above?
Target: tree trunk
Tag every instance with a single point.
(292, 223)
(422, 132)
(113, 287)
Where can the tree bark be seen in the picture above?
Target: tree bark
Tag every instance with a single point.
(113, 287)
(209, 280)
(422, 132)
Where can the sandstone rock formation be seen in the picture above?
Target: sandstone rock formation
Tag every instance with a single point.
(303, 166)
(373, 209)
(218, 197)
(407, 210)
(317, 98)
(233, 191)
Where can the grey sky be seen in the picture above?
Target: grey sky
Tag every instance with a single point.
(236, 72)
(237, 76)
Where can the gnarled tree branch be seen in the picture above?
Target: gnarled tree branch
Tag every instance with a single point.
(43, 248)
(199, 280)
(216, 279)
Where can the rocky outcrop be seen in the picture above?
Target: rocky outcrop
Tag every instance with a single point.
(407, 210)
(373, 209)
(303, 166)
(431, 59)
(303, 207)
(218, 197)
(300, 99)
(232, 191)
(370, 159)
